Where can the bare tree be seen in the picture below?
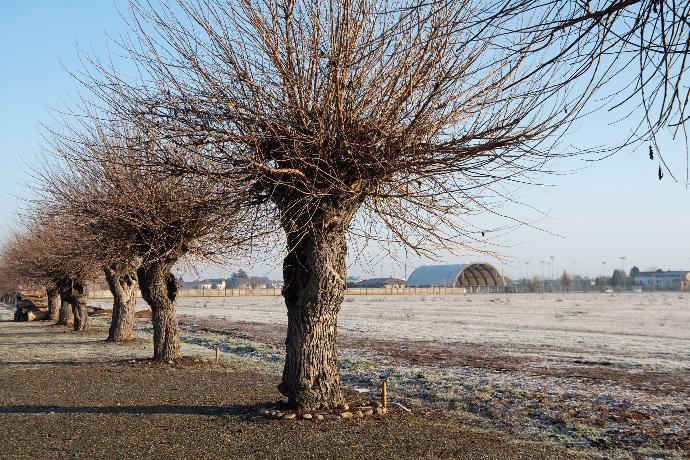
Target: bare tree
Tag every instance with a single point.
(17, 273)
(47, 252)
(123, 284)
(634, 51)
(141, 222)
(392, 120)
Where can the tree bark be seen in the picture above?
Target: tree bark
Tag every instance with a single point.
(76, 291)
(54, 303)
(122, 281)
(314, 273)
(66, 317)
(159, 290)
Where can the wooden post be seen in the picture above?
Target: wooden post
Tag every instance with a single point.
(384, 394)
(217, 357)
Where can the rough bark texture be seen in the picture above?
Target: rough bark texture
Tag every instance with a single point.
(159, 289)
(314, 273)
(66, 317)
(123, 285)
(54, 303)
(75, 291)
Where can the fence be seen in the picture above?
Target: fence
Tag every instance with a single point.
(276, 292)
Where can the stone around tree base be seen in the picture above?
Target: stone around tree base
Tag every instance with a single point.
(360, 413)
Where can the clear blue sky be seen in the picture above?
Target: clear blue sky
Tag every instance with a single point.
(612, 208)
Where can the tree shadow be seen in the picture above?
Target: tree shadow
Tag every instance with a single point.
(37, 343)
(64, 363)
(248, 412)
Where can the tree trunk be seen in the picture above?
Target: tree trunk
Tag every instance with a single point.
(54, 303)
(123, 285)
(314, 273)
(75, 291)
(81, 317)
(159, 290)
(66, 317)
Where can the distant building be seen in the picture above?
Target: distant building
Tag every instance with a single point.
(204, 285)
(220, 285)
(662, 280)
(474, 277)
(379, 283)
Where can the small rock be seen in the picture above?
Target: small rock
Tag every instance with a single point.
(381, 411)
(306, 416)
(369, 412)
(359, 414)
(289, 416)
(318, 417)
(346, 414)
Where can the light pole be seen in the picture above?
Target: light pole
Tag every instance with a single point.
(573, 277)
(622, 258)
(542, 262)
(552, 280)
(603, 271)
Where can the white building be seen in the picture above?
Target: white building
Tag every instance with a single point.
(661, 280)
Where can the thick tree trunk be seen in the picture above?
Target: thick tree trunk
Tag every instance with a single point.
(66, 318)
(159, 290)
(75, 291)
(54, 303)
(81, 317)
(315, 280)
(123, 285)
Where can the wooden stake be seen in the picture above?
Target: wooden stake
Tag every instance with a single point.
(217, 357)
(384, 394)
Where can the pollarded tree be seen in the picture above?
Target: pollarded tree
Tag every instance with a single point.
(141, 222)
(343, 116)
(48, 251)
(20, 268)
(392, 120)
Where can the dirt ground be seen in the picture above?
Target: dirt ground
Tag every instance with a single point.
(66, 395)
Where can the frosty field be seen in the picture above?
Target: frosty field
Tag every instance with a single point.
(651, 330)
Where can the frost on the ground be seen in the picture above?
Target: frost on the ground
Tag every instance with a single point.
(559, 333)
(651, 330)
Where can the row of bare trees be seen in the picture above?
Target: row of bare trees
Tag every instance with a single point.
(393, 121)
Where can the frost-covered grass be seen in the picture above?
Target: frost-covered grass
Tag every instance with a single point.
(627, 332)
(645, 330)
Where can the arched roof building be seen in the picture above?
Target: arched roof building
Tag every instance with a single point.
(457, 275)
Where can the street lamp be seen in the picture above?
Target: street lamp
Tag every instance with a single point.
(603, 271)
(573, 277)
(542, 262)
(552, 280)
(622, 258)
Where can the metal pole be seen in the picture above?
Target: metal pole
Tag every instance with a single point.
(542, 262)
